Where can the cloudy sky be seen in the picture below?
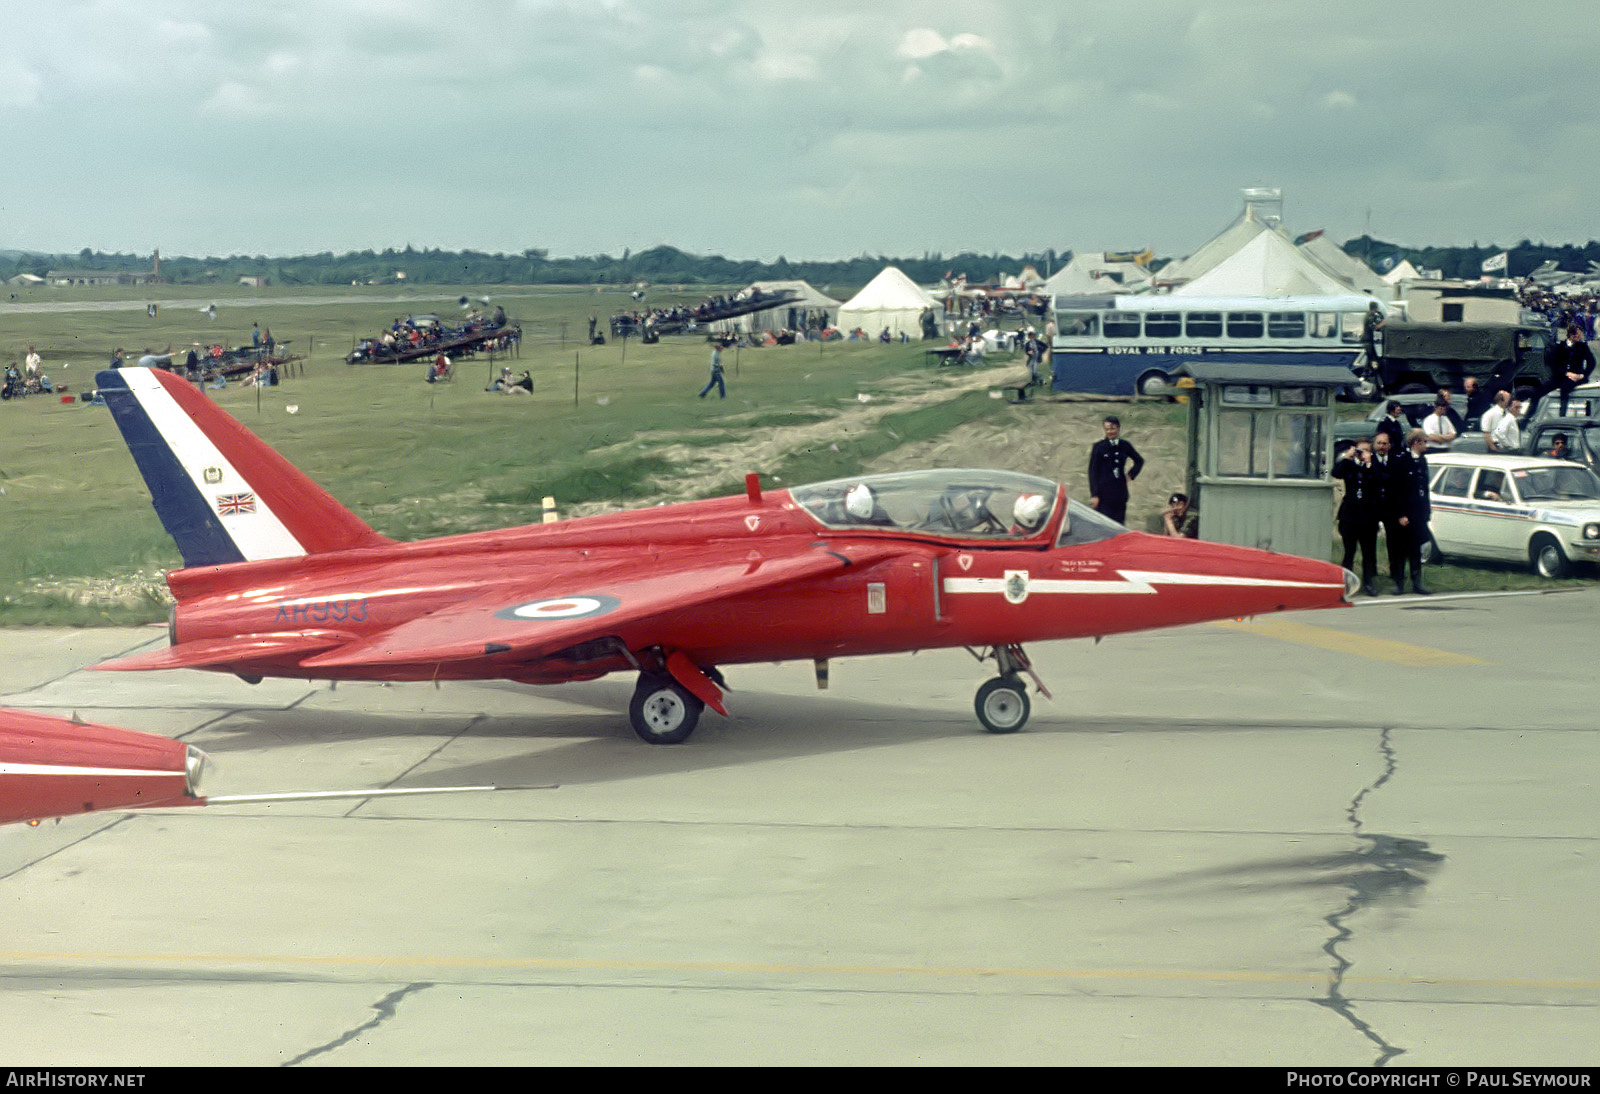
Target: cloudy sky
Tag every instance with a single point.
(817, 129)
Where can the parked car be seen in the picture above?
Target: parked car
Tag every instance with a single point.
(1538, 438)
(1415, 406)
(1542, 512)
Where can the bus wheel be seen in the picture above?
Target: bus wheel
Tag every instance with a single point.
(1154, 383)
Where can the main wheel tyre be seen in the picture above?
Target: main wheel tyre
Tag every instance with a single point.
(1154, 383)
(663, 712)
(1547, 559)
(1002, 705)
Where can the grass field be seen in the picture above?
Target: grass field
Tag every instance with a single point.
(606, 426)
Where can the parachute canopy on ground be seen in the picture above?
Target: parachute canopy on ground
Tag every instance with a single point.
(890, 300)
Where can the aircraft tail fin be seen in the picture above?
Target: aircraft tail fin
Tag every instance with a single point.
(221, 492)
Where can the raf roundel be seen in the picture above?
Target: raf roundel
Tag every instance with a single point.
(561, 608)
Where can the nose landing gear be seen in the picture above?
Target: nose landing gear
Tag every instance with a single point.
(1002, 704)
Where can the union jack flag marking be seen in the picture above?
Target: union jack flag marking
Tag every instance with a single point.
(229, 505)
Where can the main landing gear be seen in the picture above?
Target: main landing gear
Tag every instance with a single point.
(664, 709)
(1002, 704)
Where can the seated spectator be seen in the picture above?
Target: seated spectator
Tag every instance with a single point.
(1180, 518)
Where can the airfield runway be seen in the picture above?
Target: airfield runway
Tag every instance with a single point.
(1336, 838)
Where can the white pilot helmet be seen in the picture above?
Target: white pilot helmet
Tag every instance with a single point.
(858, 501)
(1029, 510)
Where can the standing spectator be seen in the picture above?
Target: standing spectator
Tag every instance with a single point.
(1450, 411)
(1507, 435)
(1438, 428)
(716, 374)
(1492, 417)
(1113, 464)
(1575, 362)
(1415, 510)
(1388, 499)
(1393, 427)
(116, 357)
(1370, 326)
(32, 364)
(255, 335)
(1478, 400)
(1358, 517)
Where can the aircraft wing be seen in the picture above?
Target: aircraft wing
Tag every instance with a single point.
(525, 623)
(226, 652)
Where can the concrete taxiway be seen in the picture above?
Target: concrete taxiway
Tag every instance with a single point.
(1336, 838)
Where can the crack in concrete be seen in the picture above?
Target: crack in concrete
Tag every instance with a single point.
(1389, 868)
(386, 1007)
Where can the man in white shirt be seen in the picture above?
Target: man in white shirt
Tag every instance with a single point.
(1507, 435)
(1438, 427)
(1492, 418)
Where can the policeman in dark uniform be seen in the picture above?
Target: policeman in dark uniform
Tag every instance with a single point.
(1389, 500)
(1113, 464)
(1415, 509)
(1358, 516)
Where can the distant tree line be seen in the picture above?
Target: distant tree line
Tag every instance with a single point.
(534, 266)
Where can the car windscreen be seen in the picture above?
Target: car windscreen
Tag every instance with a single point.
(1556, 484)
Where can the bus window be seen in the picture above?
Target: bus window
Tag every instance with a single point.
(1244, 324)
(1287, 324)
(1350, 329)
(1163, 324)
(1203, 324)
(1077, 324)
(1324, 324)
(1122, 324)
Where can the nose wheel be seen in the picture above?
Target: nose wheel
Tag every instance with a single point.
(1002, 704)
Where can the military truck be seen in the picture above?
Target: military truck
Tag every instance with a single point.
(1428, 356)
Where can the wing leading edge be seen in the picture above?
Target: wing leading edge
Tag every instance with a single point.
(520, 624)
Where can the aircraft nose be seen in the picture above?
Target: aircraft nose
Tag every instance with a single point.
(1352, 585)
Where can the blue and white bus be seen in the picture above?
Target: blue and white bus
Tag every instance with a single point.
(1134, 345)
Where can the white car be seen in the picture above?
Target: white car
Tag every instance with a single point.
(1542, 512)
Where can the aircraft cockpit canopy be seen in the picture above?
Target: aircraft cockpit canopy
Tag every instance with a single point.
(983, 505)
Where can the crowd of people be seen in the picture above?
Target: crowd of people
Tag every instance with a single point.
(422, 336)
(687, 319)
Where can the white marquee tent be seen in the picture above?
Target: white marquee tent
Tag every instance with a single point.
(1089, 272)
(890, 300)
(1268, 265)
(1345, 266)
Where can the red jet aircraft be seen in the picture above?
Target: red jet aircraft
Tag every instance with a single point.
(279, 579)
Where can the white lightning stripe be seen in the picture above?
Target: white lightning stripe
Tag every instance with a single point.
(66, 769)
(1130, 581)
(257, 535)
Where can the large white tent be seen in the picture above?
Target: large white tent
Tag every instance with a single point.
(890, 300)
(1089, 272)
(1345, 266)
(1268, 265)
(790, 316)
